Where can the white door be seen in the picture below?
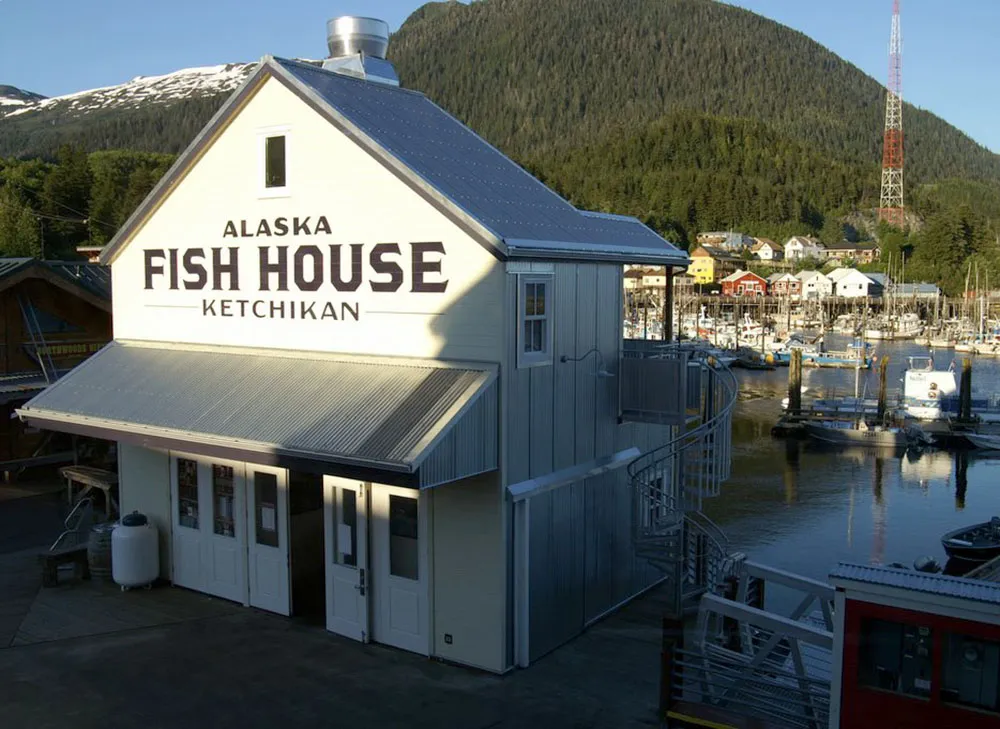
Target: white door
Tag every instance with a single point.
(347, 575)
(267, 538)
(187, 507)
(224, 532)
(400, 566)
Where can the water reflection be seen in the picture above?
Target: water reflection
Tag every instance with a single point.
(803, 506)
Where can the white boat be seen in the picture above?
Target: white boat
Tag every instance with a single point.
(986, 442)
(922, 341)
(928, 394)
(942, 343)
(858, 432)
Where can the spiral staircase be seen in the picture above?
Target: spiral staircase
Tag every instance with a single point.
(670, 483)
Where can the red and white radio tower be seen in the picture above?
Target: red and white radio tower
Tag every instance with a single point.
(890, 207)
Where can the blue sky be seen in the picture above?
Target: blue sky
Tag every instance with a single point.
(56, 47)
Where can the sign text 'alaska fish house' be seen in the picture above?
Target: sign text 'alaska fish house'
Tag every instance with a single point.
(382, 267)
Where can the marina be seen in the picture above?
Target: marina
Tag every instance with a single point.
(846, 503)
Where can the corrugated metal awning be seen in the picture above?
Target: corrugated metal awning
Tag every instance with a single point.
(279, 407)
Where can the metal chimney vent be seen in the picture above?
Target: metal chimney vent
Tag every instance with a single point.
(349, 35)
(358, 47)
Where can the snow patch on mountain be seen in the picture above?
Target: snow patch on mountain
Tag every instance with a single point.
(140, 91)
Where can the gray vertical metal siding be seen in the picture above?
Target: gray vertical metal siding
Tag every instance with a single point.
(586, 337)
(470, 447)
(564, 411)
(582, 562)
(557, 532)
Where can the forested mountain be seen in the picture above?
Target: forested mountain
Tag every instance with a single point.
(690, 114)
(535, 74)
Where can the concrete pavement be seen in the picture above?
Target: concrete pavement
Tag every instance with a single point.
(180, 659)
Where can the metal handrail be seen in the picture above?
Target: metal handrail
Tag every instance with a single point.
(731, 385)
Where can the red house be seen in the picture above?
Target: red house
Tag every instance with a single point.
(744, 283)
(915, 650)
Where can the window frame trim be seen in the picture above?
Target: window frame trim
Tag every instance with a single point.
(535, 359)
(263, 134)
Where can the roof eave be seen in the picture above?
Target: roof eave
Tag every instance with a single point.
(558, 251)
(41, 417)
(219, 121)
(408, 175)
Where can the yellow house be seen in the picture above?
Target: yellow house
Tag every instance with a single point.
(710, 264)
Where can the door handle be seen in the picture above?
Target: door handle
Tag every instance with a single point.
(360, 587)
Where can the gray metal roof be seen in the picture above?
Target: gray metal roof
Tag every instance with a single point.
(939, 584)
(93, 277)
(358, 411)
(473, 175)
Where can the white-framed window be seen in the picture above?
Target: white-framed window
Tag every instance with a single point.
(534, 321)
(273, 161)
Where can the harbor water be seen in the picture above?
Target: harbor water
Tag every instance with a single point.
(803, 506)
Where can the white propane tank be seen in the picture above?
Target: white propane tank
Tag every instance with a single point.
(135, 552)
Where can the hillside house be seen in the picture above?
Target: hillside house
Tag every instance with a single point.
(845, 252)
(710, 264)
(744, 283)
(389, 384)
(784, 284)
(815, 286)
(799, 247)
(766, 249)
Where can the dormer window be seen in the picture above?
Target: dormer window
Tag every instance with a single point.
(273, 162)
(534, 321)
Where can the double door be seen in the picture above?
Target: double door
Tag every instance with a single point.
(230, 531)
(377, 567)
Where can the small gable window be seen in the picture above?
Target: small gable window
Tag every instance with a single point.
(274, 162)
(273, 153)
(534, 321)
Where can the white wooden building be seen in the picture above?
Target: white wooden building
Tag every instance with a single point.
(815, 285)
(365, 361)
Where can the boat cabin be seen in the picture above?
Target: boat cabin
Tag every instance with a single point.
(914, 650)
(364, 364)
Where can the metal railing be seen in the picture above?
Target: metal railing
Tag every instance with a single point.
(670, 483)
(747, 654)
(723, 680)
(676, 476)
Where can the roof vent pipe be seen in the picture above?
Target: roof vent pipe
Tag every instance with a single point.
(358, 47)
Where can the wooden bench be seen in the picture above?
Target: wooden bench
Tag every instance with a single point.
(50, 560)
(689, 714)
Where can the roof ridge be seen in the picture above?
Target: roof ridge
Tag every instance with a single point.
(320, 69)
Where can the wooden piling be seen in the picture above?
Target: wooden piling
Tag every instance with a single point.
(795, 383)
(965, 392)
(882, 370)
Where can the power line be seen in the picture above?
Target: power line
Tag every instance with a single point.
(36, 193)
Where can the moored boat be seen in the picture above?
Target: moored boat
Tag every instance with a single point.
(843, 432)
(976, 543)
(986, 442)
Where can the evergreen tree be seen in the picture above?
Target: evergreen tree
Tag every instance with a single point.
(19, 233)
(65, 199)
